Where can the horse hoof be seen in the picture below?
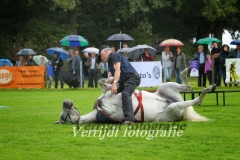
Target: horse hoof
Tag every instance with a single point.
(57, 122)
(214, 87)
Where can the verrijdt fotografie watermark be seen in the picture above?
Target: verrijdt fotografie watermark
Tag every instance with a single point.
(143, 130)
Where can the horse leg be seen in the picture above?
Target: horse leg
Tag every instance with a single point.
(88, 118)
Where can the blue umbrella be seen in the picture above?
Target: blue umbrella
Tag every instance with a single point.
(9, 63)
(26, 51)
(63, 54)
(235, 42)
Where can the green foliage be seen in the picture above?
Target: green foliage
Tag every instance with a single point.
(219, 9)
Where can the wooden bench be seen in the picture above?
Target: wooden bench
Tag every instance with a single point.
(215, 92)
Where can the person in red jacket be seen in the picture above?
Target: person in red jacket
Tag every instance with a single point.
(145, 56)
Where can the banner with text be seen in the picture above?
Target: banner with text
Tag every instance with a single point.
(22, 77)
(233, 70)
(150, 73)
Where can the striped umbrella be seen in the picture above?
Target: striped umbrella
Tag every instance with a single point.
(171, 42)
(73, 40)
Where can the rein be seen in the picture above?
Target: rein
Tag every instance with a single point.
(68, 116)
(140, 105)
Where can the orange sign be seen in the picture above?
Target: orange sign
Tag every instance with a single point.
(22, 77)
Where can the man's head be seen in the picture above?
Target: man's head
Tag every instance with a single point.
(70, 52)
(85, 54)
(55, 55)
(76, 53)
(200, 48)
(145, 50)
(214, 43)
(104, 52)
(125, 45)
(21, 57)
(113, 49)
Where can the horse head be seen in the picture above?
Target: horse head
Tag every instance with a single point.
(69, 114)
(105, 84)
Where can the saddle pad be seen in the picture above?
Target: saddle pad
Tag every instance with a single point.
(103, 117)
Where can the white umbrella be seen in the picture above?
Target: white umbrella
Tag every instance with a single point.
(90, 50)
(37, 59)
(136, 51)
(123, 50)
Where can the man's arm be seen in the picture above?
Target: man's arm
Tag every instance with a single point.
(116, 76)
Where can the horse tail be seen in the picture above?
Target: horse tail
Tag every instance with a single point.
(191, 115)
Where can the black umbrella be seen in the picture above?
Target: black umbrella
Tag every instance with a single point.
(120, 37)
(70, 79)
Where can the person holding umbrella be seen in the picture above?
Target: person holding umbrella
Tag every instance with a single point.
(57, 65)
(93, 71)
(21, 61)
(217, 66)
(69, 62)
(145, 56)
(124, 74)
(76, 64)
(235, 53)
(30, 61)
(179, 64)
(167, 58)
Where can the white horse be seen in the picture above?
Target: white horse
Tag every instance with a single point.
(166, 104)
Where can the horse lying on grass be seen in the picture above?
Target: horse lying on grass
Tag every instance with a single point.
(166, 104)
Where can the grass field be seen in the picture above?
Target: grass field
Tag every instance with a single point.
(27, 130)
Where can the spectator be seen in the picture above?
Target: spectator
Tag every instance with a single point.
(5, 64)
(125, 45)
(208, 68)
(69, 63)
(179, 64)
(86, 65)
(145, 56)
(43, 63)
(223, 55)
(200, 56)
(93, 72)
(167, 59)
(57, 65)
(50, 73)
(235, 53)
(126, 56)
(113, 48)
(21, 61)
(103, 66)
(30, 61)
(217, 66)
(76, 64)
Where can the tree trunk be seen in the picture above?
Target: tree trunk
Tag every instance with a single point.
(73, 20)
(203, 31)
(136, 16)
(218, 31)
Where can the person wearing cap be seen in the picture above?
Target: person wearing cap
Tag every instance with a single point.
(215, 52)
(57, 65)
(123, 73)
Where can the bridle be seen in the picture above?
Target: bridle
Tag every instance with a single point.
(68, 116)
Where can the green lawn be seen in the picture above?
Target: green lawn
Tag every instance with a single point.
(27, 130)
